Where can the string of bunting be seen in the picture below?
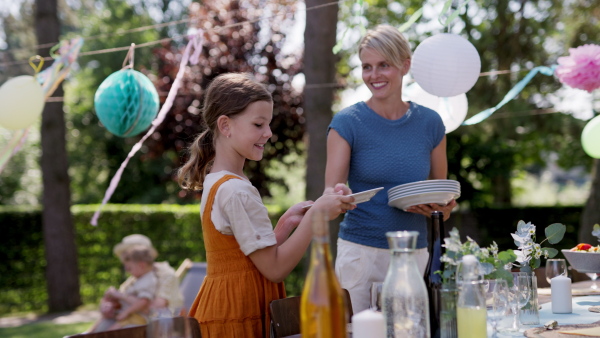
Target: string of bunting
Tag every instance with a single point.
(18, 112)
(195, 45)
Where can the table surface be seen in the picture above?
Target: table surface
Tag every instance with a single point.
(584, 296)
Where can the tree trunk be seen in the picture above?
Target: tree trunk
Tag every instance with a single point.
(62, 274)
(591, 211)
(319, 69)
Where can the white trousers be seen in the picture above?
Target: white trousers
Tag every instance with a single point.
(358, 267)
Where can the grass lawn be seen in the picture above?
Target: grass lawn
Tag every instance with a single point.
(45, 329)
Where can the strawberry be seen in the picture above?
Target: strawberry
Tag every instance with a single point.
(583, 247)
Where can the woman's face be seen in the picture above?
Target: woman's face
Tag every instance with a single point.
(381, 77)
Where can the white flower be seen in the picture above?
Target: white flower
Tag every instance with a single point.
(522, 257)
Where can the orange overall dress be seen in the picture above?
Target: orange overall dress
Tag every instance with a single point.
(234, 298)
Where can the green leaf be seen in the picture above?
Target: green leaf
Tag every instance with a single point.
(413, 18)
(502, 274)
(596, 227)
(534, 263)
(507, 256)
(555, 232)
(551, 252)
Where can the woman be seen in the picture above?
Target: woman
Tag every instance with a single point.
(383, 142)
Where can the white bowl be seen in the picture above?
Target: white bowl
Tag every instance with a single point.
(586, 262)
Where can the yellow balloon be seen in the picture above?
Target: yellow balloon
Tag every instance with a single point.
(590, 137)
(21, 102)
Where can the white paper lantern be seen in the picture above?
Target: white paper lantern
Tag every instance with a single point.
(453, 110)
(21, 102)
(446, 65)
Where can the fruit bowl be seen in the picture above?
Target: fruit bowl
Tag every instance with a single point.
(586, 262)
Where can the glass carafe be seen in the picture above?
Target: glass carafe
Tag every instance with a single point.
(405, 302)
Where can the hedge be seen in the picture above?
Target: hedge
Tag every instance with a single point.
(175, 231)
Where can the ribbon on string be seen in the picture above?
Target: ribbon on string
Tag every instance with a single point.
(49, 79)
(194, 43)
(511, 94)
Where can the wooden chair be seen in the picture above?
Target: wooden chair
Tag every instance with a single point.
(285, 315)
(137, 331)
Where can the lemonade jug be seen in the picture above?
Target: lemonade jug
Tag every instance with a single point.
(471, 311)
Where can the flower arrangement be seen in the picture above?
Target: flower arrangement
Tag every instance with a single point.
(492, 261)
(581, 69)
(530, 253)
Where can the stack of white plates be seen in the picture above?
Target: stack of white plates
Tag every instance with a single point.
(423, 192)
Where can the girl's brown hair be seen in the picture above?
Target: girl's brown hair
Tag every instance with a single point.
(228, 94)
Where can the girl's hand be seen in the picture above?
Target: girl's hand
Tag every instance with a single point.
(427, 209)
(292, 217)
(334, 203)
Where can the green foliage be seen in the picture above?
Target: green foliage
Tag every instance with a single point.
(555, 232)
(175, 231)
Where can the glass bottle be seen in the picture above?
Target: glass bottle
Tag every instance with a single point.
(433, 281)
(322, 309)
(471, 312)
(405, 304)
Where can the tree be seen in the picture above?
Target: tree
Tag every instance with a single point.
(319, 68)
(591, 210)
(62, 273)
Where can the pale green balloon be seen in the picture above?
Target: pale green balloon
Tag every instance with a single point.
(21, 102)
(590, 137)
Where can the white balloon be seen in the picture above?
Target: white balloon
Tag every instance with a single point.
(453, 110)
(446, 65)
(21, 102)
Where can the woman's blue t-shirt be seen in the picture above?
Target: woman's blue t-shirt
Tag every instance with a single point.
(386, 153)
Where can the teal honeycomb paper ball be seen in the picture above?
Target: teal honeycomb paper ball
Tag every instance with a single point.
(126, 103)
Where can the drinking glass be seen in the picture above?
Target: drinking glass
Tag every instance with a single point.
(555, 267)
(168, 327)
(496, 300)
(518, 297)
(376, 296)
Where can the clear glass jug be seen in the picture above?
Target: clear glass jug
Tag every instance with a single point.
(405, 303)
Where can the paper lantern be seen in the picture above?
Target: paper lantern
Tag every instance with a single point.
(453, 110)
(446, 65)
(21, 102)
(126, 103)
(590, 137)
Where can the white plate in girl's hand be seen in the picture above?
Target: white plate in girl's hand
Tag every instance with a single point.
(360, 197)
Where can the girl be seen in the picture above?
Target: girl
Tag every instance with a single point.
(247, 259)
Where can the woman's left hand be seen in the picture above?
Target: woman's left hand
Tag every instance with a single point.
(427, 209)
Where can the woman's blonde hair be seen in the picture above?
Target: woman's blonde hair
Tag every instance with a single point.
(228, 94)
(389, 42)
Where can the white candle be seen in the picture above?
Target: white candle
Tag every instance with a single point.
(368, 324)
(561, 294)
